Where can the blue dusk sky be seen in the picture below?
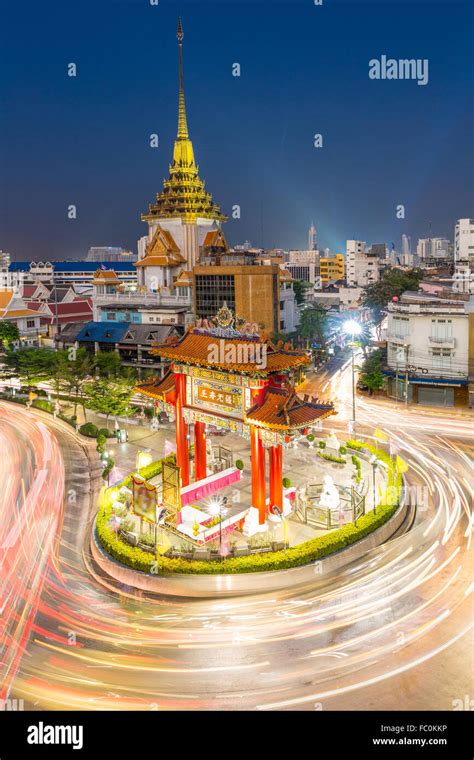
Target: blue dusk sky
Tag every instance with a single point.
(304, 71)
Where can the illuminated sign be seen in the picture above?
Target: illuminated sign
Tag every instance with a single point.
(218, 397)
(222, 398)
(144, 498)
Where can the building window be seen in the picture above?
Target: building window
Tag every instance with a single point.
(30, 322)
(211, 292)
(111, 316)
(401, 327)
(442, 329)
(441, 358)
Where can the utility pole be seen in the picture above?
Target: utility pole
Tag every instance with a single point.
(407, 348)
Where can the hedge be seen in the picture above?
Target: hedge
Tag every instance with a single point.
(40, 403)
(331, 457)
(295, 556)
(149, 471)
(89, 429)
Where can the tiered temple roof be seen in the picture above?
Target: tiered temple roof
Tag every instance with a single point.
(198, 346)
(282, 409)
(183, 194)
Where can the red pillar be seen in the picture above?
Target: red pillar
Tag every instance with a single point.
(276, 478)
(182, 443)
(258, 474)
(200, 464)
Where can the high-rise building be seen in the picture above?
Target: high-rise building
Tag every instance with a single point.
(362, 267)
(406, 245)
(251, 292)
(464, 240)
(304, 266)
(109, 253)
(431, 249)
(183, 212)
(332, 268)
(312, 244)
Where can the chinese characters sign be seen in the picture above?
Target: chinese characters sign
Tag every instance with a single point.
(222, 398)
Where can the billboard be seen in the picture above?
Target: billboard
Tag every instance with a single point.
(144, 498)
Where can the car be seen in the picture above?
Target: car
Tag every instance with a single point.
(362, 386)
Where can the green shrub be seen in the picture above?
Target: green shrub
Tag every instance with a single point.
(295, 556)
(286, 483)
(41, 403)
(310, 437)
(89, 429)
(331, 457)
(150, 471)
(101, 441)
(107, 433)
(239, 464)
(342, 450)
(149, 412)
(322, 444)
(352, 444)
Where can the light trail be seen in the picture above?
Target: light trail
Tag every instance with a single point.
(380, 617)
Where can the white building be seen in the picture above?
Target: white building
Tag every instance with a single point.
(406, 245)
(428, 343)
(429, 249)
(464, 240)
(362, 267)
(305, 266)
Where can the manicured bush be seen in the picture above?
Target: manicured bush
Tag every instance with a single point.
(239, 464)
(331, 457)
(107, 433)
(41, 403)
(295, 556)
(89, 429)
(150, 471)
(342, 450)
(101, 441)
(322, 444)
(310, 437)
(286, 483)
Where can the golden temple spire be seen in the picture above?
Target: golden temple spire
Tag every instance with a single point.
(182, 121)
(184, 195)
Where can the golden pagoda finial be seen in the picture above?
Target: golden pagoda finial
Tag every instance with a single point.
(182, 121)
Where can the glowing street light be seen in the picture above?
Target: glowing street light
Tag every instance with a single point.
(352, 328)
(216, 507)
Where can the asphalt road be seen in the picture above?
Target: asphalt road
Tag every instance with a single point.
(391, 631)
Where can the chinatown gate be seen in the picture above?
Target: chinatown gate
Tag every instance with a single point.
(241, 382)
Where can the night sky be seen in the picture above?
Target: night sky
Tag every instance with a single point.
(304, 70)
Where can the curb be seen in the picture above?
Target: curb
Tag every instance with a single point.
(241, 584)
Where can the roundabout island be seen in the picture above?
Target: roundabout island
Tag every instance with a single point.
(206, 509)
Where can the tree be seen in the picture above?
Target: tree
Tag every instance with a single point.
(371, 372)
(9, 332)
(109, 396)
(73, 369)
(299, 288)
(30, 365)
(313, 324)
(393, 283)
(108, 363)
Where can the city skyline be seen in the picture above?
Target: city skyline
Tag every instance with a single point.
(89, 142)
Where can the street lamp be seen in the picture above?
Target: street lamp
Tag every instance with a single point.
(374, 462)
(352, 328)
(216, 507)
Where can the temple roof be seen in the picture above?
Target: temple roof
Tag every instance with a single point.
(105, 277)
(183, 194)
(285, 410)
(239, 353)
(160, 389)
